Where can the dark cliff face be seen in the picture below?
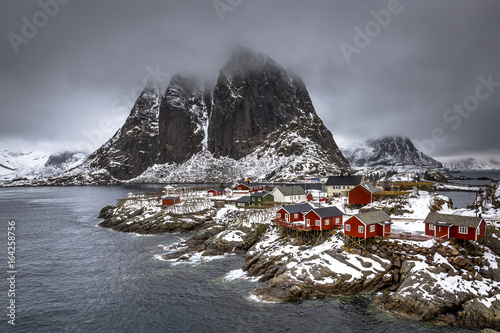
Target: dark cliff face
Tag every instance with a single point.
(255, 102)
(135, 146)
(182, 120)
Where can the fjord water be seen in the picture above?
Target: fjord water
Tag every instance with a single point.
(73, 276)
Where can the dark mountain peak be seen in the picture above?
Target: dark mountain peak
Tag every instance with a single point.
(246, 62)
(151, 86)
(189, 84)
(257, 102)
(183, 119)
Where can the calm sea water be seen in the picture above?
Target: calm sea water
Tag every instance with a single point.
(73, 276)
(474, 174)
(463, 199)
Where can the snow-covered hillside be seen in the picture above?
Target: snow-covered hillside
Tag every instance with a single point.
(387, 151)
(31, 165)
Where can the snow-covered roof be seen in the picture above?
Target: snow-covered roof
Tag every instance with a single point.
(291, 190)
(370, 188)
(376, 216)
(456, 220)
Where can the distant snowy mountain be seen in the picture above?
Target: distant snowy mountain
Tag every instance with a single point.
(388, 151)
(31, 165)
(472, 164)
(258, 121)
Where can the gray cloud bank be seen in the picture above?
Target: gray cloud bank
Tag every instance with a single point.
(373, 68)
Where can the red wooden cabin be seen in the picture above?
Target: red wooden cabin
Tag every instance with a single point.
(369, 224)
(325, 218)
(169, 201)
(216, 192)
(292, 216)
(362, 194)
(247, 189)
(455, 226)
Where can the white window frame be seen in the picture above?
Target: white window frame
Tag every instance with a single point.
(432, 227)
(372, 228)
(478, 231)
(318, 223)
(461, 230)
(361, 229)
(296, 215)
(327, 222)
(278, 215)
(308, 222)
(337, 220)
(347, 227)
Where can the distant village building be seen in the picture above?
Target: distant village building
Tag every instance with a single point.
(247, 189)
(341, 185)
(455, 226)
(259, 198)
(169, 201)
(369, 224)
(363, 194)
(243, 201)
(289, 194)
(325, 218)
(216, 192)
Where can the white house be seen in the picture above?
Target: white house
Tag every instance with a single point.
(289, 194)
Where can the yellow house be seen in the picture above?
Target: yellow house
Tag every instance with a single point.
(341, 185)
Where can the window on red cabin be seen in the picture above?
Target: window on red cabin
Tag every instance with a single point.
(327, 222)
(432, 227)
(463, 230)
(361, 229)
(318, 223)
(478, 231)
(347, 227)
(296, 215)
(337, 220)
(372, 228)
(278, 215)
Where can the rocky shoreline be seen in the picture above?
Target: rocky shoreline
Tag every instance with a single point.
(449, 283)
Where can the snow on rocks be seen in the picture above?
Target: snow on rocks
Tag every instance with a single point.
(296, 271)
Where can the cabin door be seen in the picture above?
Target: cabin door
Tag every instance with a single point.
(308, 223)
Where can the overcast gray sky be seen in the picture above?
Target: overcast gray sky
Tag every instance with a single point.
(71, 81)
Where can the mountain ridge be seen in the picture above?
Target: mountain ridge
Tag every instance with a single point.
(388, 151)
